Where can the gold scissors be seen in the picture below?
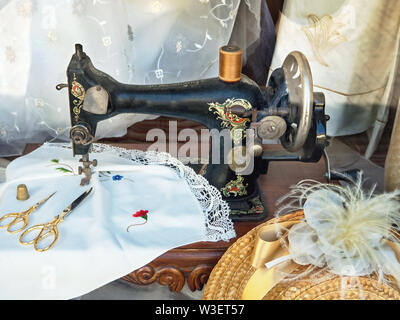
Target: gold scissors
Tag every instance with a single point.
(50, 228)
(21, 216)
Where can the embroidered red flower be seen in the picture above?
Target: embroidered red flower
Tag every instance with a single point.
(141, 213)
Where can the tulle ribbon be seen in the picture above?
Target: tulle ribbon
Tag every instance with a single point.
(272, 261)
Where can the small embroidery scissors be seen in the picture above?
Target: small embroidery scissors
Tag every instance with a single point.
(21, 216)
(50, 228)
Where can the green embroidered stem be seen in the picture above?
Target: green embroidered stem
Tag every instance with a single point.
(61, 169)
(137, 224)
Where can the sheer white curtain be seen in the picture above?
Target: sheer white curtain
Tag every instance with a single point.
(351, 46)
(134, 41)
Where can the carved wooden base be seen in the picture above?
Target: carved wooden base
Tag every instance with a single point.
(166, 276)
(172, 277)
(199, 276)
(182, 264)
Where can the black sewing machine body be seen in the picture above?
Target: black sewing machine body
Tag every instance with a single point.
(186, 100)
(95, 96)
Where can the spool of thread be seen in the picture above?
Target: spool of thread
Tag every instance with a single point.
(230, 63)
(22, 192)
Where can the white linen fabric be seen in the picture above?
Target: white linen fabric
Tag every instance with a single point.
(134, 41)
(351, 46)
(94, 247)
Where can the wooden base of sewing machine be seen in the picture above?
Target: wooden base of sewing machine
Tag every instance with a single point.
(193, 263)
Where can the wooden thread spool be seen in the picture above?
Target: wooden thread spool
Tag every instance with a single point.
(230, 63)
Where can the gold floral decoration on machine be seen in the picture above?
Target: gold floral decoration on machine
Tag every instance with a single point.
(235, 187)
(236, 124)
(78, 92)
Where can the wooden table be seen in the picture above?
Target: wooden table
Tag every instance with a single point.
(193, 263)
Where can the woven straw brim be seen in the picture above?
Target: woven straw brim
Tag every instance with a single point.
(232, 272)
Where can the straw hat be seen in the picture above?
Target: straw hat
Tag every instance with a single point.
(231, 274)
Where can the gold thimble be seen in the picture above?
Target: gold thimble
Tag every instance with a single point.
(22, 192)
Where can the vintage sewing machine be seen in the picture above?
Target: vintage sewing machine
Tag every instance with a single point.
(287, 109)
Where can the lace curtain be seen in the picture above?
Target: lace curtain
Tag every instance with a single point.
(134, 41)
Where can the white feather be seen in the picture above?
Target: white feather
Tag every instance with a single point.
(345, 228)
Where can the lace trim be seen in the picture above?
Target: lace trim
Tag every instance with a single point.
(218, 225)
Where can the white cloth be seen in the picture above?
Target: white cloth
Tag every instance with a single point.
(94, 247)
(351, 46)
(134, 41)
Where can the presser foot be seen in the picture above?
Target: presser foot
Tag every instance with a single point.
(85, 169)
